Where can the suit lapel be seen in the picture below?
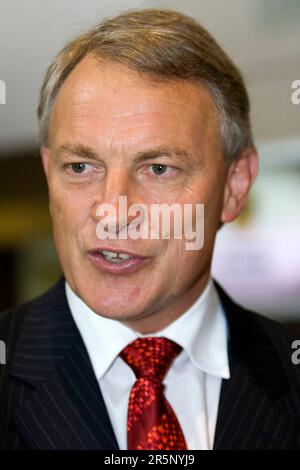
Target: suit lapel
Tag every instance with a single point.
(251, 409)
(65, 409)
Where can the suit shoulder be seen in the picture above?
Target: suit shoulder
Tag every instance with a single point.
(259, 325)
(263, 344)
(12, 319)
(8, 321)
(249, 324)
(267, 347)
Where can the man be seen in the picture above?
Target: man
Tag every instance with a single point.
(137, 347)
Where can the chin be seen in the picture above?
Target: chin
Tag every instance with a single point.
(117, 300)
(108, 303)
(114, 311)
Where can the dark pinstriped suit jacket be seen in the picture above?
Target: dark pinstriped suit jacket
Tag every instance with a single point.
(50, 399)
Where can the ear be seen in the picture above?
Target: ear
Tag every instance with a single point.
(45, 154)
(241, 175)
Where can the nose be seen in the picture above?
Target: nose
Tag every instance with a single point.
(113, 199)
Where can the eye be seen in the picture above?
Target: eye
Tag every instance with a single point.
(159, 169)
(79, 167)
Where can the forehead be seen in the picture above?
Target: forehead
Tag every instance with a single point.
(106, 95)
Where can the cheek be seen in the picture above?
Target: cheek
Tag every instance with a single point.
(180, 269)
(213, 204)
(67, 212)
(179, 262)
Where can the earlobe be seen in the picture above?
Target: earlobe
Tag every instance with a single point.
(230, 211)
(240, 177)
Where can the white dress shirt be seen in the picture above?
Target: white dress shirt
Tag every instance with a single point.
(193, 382)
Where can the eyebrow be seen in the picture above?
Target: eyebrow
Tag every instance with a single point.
(159, 152)
(83, 151)
(76, 149)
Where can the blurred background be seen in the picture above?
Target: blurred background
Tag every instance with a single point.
(257, 258)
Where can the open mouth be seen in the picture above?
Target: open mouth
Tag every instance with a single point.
(115, 257)
(117, 262)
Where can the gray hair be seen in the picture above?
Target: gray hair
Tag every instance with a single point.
(163, 45)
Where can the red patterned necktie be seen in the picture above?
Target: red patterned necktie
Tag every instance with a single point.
(151, 421)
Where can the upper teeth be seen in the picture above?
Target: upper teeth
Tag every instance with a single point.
(112, 254)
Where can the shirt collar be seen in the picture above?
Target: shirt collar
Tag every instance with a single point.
(201, 331)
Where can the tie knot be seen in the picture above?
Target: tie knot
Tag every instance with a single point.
(150, 356)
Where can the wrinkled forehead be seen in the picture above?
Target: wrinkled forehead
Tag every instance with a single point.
(107, 95)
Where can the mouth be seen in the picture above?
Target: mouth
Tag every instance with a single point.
(116, 261)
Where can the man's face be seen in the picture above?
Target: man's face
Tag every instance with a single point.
(113, 124)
